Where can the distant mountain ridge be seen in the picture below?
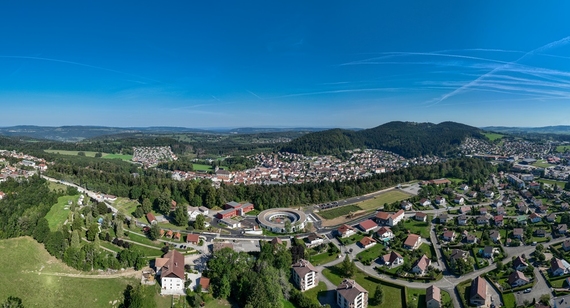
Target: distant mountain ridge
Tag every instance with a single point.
(556, 129)
(409, 139)
(77, 133)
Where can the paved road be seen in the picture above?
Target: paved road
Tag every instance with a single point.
(540, 288)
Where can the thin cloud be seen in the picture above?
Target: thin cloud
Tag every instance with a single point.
(75, 63)
(341, 91)
(254, 94)
(490, 73)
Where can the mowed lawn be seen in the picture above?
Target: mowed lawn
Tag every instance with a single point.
(30, 273)
(339, 211)
(379, 200)
(59, 212)
(392, 295)
(417, 227)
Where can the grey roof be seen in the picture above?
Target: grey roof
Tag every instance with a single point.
(349, 289)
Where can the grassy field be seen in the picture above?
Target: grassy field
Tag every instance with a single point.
(91, 154)
(313, 293)
(417, 227)
(126, 205)
(63, 152)
(426, 249)
(562, 148)
(380, 200)
(392, 295)
(339, 211)
(493, 136)
(323, 258)
(552, 182)
(541, 164)
(119, 156)
(56, 186)
(37, 278)
(509, 300)
(200, 167)
(59, 212)
(371, 253)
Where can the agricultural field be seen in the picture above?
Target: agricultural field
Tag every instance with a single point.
(119, 156)
(493, 136)
(339, 211)
(379, 200)
(91, 154)
(59, 211)
(41, 280)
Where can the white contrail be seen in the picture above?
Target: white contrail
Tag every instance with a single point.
(498, 68)
(254, 94)
(75, 63)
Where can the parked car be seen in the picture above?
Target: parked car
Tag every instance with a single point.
(527, 290)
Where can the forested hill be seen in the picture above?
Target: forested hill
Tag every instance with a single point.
(408, 139)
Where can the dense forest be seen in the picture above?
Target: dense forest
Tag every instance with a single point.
(157, 188)
(405, 138)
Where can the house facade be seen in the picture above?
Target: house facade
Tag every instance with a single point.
(350, 294)
(304, 275)
(478, 294)
(171, 271)
(433, 297)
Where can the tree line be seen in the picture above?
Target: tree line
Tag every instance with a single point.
(155, 189)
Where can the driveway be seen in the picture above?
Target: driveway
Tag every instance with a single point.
(539, 289)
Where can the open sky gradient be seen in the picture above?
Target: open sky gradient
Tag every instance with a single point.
(284, 63)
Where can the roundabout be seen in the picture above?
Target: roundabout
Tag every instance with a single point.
(279, 220)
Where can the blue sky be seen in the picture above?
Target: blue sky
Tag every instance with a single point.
(285, 64)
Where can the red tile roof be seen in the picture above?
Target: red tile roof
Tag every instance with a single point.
(367, 225)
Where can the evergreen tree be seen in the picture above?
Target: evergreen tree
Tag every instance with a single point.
(180, 216)
(378, 297)
(348, 267)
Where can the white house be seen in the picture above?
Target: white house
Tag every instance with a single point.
(392, 259)
(350, 294)
(517, 279)
(305, 275)
(396, 218)
(385, 233)
(421, 265)
(171, 271)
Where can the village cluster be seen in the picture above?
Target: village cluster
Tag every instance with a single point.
(283, 168)
(26, 166)
(149, 156)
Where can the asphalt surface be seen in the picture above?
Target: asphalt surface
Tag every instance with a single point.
(539, 289)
